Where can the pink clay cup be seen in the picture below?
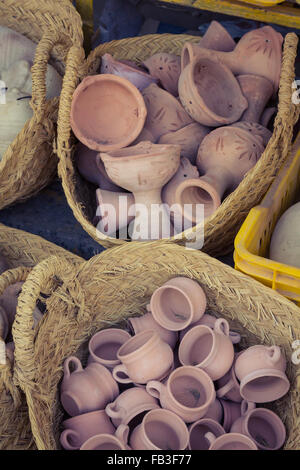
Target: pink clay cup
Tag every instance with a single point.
(105, 344)
(198, 431)
(147, 322)
(230, 441)
(107, 441)
(210, 320)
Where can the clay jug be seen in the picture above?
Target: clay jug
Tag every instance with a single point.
(166, 68)
(217, 38)
(115, 210)
(257, 90)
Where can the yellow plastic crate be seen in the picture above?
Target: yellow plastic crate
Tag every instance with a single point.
(253, 240)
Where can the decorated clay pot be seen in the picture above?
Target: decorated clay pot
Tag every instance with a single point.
(198, 430)
(217, 38)
(166, 68)
(210, 320)
(231, 412)
(108, 442)
(104, 345)
(215, 411)
(228, 386)
(107, 113)
(255, 129)
(178, 303)
(115, 210)
(147, 322)
(230, 441)
(257, 90)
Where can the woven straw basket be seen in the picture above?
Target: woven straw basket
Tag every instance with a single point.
(115, 285)
(20, 248)
(29, 163)
(221, 228)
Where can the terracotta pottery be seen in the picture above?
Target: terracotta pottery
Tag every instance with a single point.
(263, 426)
(134, 74)
(160, 430)
(210, 93)
(178, 303)
(261, 372)
(210, 350)
(145, 135)
(210, 320)
(189, 138)
(89, 389)
(80, 428)
(231, 412)
(130, 404)
(164, 112)
(147, 322)
(228, 386)
(115, 210)
(257, 90)
(255, 129)
(107, 112)
(144, 357)
(143, 170)
(230, 441)
(198, 430)
(104, 345)
(258, 52)
(166, 68)
(266, 116)
(217, 38)
(188, 392)
(3, 264)
(107, 441)
(215, 411)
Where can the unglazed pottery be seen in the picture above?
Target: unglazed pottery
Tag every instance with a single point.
(261, 372)
(228, 386)
(107, 441)
(210, 350)
(107, 112)
(178, 303)
(263, 426)
(80, 428)
(130, 404)
(144, 357)
(215, 411)
(135, 75)
(143, 170)
(257, 90)
(255, 129)
(210, 93)
(230, 441)
(188, 392)
(160, 430)
(85, 390)
(210, 320)
(231, 412)
(198, 430)
(217, 38)
(115, 210)
(166, 68)
(285, 247)
(147, 322)
(104, 345)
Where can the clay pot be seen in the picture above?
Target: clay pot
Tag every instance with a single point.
(230, 441)
(107, 112)
(164, 112)
(189, 138)
(107, 441)
(160, 430)
(143, 170)
(258, 52)
(257, 90)
(134, 74)
(147, 322)
(188, 392)
(266, 116)
(255, 129)
(198, 430)
(260, 370)
(3, 264)
(80, 428)
(88, 389)
(210, 350)
(263, 426)
(104, 345)
(144, 357)
(210, 93)
(215, 411)
(130, 404)
(217, 38)
(228, 386)
(166, 68)
(231, 412)
(115, 210)
(210, 320)
(178, 303)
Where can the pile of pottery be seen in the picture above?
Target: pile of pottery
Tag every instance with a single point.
(147, 131)
(173, 381)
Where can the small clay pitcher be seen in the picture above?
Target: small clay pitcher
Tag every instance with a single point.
(231, 412)
(130, 404)
(166, 68)
(261, 372)
(104, 345)
(147, 322)
(178, 303)
(107, 441)
(85, 390)
(228, 386)
(115, 210)
(215, 411)
(160, 430)
(210, 350)
(257, 90)
(217, 38)
(263, 426)
(144, 357)
(198, 430)
(210, 93)
(230, 441)
(188, 392)
(80, 428)
(255, 129)
(210, 320)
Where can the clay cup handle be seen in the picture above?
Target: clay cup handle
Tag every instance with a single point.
(113, 413)
(247, 406)
(210, 437)
(121, 368)
(66, 438)
(154, 388)
(76, 363)
(274, 354)
(225, 389)
(222, 326)
(122, 433)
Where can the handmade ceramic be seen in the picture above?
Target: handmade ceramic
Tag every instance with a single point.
(104, 345)
(217, 38)
(178, 303)
(261, 372)
(80, 428)
(210, 320)
(143, 170)
(230, 441)
(144, 357)
(266, 116)
(255, 129)
(4, 266)
(263, 426)
(228, 386)
(89, 389)
(231, 412)
(257, 90)
(106, 441)
(147, 322)
(107, 112)
(160, 430)
(130, 404)
(134, 74)
(198, 430)
(210, 350)
(145, 135)
(188, 392)
(285, 247)
(166, 68)
(210, 93)
(115, 210)
(215, 411)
